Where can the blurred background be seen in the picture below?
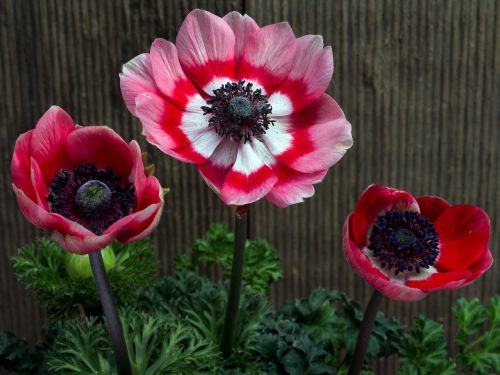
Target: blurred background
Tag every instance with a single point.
(418, 80)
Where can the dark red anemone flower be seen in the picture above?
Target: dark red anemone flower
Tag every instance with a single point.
(406, 247)
(85, 184)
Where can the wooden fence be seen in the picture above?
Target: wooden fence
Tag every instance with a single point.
(419, 81)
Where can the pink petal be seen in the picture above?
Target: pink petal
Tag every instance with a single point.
(432, 207)
(375, 201)
(48, 141)
(205, 44)
(168, 74)
(215, 169)
(441, 280)
(167, 127)
(82, 245)
(243, 27)
(41, 218)
(268, 56)
(249, 179)
(137, 78)
(137, 175)
(464, 232)
(480, 267)
(361, 263)
(20, 166)
(38, 183)
(102, 146)
(292, 186)
(310, 75)
(318, 136)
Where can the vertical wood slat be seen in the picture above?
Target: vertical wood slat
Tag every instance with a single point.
(417, 79)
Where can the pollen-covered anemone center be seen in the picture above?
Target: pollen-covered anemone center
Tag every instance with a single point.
(404, 241)
(93, 197)
(238, 111)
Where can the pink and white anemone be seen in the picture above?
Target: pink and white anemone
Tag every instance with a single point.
(278, 152)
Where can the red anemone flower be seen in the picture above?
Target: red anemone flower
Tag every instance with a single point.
(85, 184)
(246, 104)
(405, 246)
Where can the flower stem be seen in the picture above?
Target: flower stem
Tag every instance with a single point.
(365, 332)
(233, 300)
(111, 313)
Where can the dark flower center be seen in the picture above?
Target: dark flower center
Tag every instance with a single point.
(404, 241)
(238, 111)
(93, 197)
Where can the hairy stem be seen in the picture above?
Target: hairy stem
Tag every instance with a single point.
(365, 332)
(233, 301)
(109, 307)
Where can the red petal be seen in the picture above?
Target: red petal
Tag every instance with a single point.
(243, 27)
(48, 141)
(441, 280)
(363, 266)
(432, 207)
(464, 232)
(41, 189)
(82, 245)
(480, 267)
(102, 146)
(375, 201)
(215, 170)
(20, 166)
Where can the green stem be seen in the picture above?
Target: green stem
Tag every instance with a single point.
(233, 301)
(110, 311)
(365, 332)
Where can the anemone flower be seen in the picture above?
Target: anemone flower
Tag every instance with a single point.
(246, 104)
(406, 247)
(84, 184)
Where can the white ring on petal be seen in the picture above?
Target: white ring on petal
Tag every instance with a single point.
(204, 139)
(277, 139)
(281, 104)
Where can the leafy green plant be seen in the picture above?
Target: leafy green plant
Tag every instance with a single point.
(478, 337)
(201, 303)
(158, 344)
(262, 263)
(424, 350)
(43, 268)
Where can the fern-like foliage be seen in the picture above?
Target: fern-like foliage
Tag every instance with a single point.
(157, 344)
(41, 268)
(262, 264)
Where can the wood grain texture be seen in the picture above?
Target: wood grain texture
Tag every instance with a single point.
(419, 81)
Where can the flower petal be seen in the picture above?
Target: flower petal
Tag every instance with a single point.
(249, 179)
(310, 74)
(268, 56)
(312, 139)
(431, 207)
(102, 146)
(39, 185)
(361, 263)
(82, 245)
(374, 201)
(243, 27)
(205, 44)
(20, 166)
(292, 186)
(137, 78)
(441, 280)
(464, 232)
(163, 127)
(169, 76)
(48, 141)
(480, 267)
(215, 169)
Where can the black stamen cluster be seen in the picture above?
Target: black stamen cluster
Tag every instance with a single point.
(63, 200)
(404, 241)
(238, 111)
